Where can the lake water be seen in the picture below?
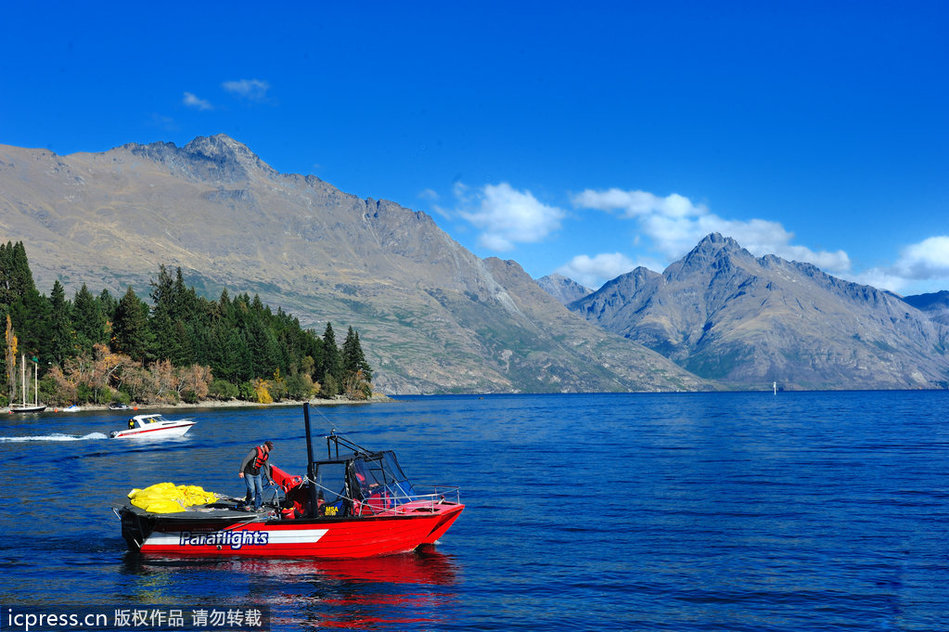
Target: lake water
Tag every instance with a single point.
(795, 511)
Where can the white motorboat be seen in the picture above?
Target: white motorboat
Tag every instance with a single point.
(153, 426)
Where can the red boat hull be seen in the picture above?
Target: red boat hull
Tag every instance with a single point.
(326, 538)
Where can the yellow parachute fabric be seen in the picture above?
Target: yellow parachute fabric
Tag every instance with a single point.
(170, 498)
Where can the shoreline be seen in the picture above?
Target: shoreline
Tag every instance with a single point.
(212, 404)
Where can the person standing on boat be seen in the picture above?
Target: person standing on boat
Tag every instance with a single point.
(254, 468)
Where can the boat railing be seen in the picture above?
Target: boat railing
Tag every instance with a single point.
(391, 502)
(402, 504)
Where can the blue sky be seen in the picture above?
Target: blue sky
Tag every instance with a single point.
(580, 138)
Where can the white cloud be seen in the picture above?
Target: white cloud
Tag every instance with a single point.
(920, 264)
(250, 89)
(507, 216)
(881, 278)
(193, 101)
(928, 259)
(675, 224)
(592, 272)
(638, 203)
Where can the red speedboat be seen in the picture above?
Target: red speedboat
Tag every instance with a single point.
(355, 503)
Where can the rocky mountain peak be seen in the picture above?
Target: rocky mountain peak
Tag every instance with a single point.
(562, 288)
(211, 158)
(715, 245)
(724, 314)
(631, 282)
(713, 255)
(221, 147)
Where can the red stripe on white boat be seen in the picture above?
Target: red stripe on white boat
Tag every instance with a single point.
(128, 433)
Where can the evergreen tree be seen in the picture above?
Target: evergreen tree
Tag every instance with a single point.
(332, 366)
(16, 279)
(131, 334)
(28, 310)
(242, 340)
(88, 321)
(174, 312)
(353, 359)
(107, 304)
(60, 326)
(6, 270)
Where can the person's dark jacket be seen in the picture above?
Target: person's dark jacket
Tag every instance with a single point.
(247, 465)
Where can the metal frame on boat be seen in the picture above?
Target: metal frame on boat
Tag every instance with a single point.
(355, 503)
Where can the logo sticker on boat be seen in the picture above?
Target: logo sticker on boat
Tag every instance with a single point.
(234, 539)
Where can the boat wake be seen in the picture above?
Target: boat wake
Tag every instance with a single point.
(58, 436)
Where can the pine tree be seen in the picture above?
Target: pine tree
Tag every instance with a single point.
(173, 307)
(130, 332)
(88, 321)
(6, 269)
(107, 304)
(28, 310)
(332, 366)
(354, 360)
(60, 325)
(242, 340)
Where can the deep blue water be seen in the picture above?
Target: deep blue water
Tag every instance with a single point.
(800, 511)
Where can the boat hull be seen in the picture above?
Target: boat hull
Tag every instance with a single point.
(153, 433)
(27, 409)
(323, 538)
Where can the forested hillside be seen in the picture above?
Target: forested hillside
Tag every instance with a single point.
(179, 347)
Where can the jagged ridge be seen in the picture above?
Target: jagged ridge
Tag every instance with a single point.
(432, 317)
(726, 315)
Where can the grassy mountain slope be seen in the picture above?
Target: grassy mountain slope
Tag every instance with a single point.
(432, 317)
(726, 315)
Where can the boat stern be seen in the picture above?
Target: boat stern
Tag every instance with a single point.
(135, 527)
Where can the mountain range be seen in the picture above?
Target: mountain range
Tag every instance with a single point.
(731, 317)
(936, 304)
(562, 288)
(433, 317)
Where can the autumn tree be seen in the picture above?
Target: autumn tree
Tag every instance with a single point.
(193, 383)
(11, 351)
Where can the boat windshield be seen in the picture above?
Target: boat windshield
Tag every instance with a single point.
(331, 482)
(379, 474)
(374, 479)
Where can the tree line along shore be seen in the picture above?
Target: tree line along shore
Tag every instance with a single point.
(179, 348)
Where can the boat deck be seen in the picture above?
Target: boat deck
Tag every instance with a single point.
(229, 509)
